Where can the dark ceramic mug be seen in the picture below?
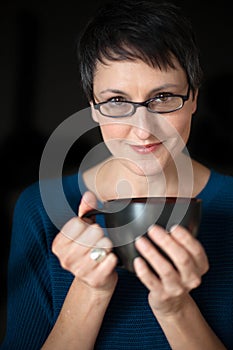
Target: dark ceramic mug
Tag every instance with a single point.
(127, 219)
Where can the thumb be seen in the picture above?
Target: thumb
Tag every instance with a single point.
(87, 203)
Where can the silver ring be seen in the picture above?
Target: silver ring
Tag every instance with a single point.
(98, 254)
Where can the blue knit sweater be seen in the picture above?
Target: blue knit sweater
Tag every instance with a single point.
(37, 285)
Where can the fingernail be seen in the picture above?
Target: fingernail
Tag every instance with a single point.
(142, 242)
(173, 228)
(138, 237)
(151, 227)
(89, 198)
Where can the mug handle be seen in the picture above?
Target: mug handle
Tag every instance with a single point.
(91, 213)
(96, 212)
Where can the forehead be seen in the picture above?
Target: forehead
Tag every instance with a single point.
(131, 73)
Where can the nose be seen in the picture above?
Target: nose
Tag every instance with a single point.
(142, 123)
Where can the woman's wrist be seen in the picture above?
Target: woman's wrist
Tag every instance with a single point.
(188, 332)
(92, 293)
(180, 309)
(85, 306)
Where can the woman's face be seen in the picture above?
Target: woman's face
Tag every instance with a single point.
(146, 142)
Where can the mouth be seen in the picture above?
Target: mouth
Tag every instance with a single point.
(146, 149)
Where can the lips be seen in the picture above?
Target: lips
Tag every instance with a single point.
(145, 149)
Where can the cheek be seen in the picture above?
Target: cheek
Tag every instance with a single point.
(114, 131)
(112, 135)
(183, 126)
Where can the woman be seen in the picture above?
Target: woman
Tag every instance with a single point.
(141, 74)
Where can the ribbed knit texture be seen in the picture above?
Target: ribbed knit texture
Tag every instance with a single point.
(37, 285)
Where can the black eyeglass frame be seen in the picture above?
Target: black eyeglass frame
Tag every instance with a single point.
(135, 105)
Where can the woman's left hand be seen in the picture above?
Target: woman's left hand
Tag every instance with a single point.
(169, 286)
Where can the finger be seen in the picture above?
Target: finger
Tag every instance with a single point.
(69, 232)
(88, 266)
(77, 260)
(90, 236)
(165, 270)
(74, 228)
(190, 274)
(106, 266)
(193, 246)
(104, 243)
(75, 256)
(145, 274)
(87, 203)
(99, 276)
(76, 236)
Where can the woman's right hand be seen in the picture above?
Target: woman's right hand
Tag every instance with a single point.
(89, 295)
(73, 245)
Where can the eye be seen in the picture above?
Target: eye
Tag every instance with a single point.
(163, 97)
(118, 100)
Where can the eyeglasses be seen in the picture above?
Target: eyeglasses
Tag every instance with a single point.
(162, 103)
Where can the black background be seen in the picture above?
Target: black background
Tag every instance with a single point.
(39, 88)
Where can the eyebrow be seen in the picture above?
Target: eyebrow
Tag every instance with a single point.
(159, 88)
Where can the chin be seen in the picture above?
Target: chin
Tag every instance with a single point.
(145, 168)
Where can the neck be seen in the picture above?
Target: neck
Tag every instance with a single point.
(119, 181)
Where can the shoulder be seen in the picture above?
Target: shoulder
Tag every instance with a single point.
(221, 181)
(218, 193)
(42, 200)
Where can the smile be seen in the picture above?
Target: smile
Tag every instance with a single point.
(145, 149)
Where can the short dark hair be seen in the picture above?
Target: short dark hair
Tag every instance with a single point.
(133, 29)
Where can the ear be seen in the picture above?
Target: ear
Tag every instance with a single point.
(94, 113)
(194, 102)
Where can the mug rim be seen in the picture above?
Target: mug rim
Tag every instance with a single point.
(155, 199)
